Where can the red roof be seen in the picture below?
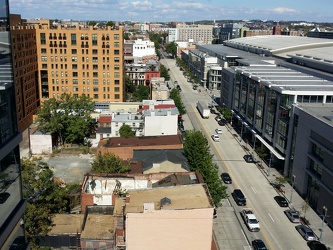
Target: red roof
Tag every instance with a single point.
(160, 106)
(105, 119)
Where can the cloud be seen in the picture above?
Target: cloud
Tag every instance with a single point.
(282, 10)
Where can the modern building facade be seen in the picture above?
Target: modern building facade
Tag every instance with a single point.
(80, 61)
(230, 31)
(12, 205)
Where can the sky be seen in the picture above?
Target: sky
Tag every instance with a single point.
(173, 10)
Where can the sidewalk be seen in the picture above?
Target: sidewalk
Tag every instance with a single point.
(315, 221)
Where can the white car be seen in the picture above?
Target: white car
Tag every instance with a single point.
(218, 131)
(215, 137)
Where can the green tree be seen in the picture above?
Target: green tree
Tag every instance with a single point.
(44, 197)
(197, 152)
(172, 49)
(227, 114)
(92, 23)
(67, 118)
(164, 72)
(141, 93)
(175, 96)
(108, 164)
(127, 36)
(126, 131)
(110, 23)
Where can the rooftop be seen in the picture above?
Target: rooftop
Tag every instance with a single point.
(321, 112)
(161, 112)
(181, 197)
(98, 226)
(66, 224)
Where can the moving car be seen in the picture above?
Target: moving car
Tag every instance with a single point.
(248, 158)
(281, 201)
(316, 245)
(218, 131)
(259, 245)
(226, 178)
(250, 220)
(306, 232)
(215, 138)
(239, 197)
(293, 216)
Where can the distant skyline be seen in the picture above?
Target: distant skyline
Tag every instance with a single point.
(169, 10)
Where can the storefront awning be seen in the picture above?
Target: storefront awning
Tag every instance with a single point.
(270, 148)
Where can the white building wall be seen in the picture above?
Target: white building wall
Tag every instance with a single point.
(40, 144)
(143, 48)
(172, 35)
(161, 125)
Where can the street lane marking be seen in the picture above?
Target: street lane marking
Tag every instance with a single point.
(271, 217)
(254, 190)
(245, 236)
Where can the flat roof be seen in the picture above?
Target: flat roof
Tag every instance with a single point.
(181, 197)
(99, 226)
(321, 112)
(287, 81)
(66, 224)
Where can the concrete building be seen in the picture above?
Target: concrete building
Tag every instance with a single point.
(159, 89)
(80, 61)
(143, 48)
(12, 207)
(230, 31)
(196, 33)
(172, 35)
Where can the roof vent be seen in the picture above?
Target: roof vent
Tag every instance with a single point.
(165, 201)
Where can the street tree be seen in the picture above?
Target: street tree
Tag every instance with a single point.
(141, 93)
(108, 164)
(44, 198)
(175, 96)
(197, 152)
(126, 131)
(164, 72)
(171, 48)
(67, 118)
(110, 23)
(227, 114)
(92, 23)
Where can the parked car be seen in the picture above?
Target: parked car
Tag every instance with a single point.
(218, 118)
(226, 178)
(316, 245)
(239, 197)
(259, 245)
(293, 216)
(248, 158)
(18, 244)
(281, 201)
(215, 138)
(222, 122)
(3, 197)
(218, 131)
(306, 232)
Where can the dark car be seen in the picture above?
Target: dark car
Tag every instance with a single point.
(226, 178)
(3, 197)
(18, 244)
(259, 245)
(222, 122)
(239, 197)
(248, 158)
(281, 201)
(215, 213)
(316, 245)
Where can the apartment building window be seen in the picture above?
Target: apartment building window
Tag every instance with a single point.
(317, 152)
(108, 74)
(42, 38)
(74, 51)
(116, 89)
(95, 74)
(116, 59)
(95, 66)
(75, 74)
(116, 52)
(116, 36)
(108, 82)
(104, 74)
(116, 44)
(95, 51)
(116, 96)
(75, 89)
(44, 66)
(95, 81)
(43, 51)
(75, 81)
(87, 59)
(73, 39)
(44, 58)
(65, 58)
(74, 66)
(95, 59)
(74, 58)
(62, 73)
(94, 39)
(116, 74)
(116, 82)
(116, 67)
(83, 74)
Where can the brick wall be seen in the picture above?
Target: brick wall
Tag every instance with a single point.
(86, 200)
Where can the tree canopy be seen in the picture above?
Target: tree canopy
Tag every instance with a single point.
(141, 93)
(108, 164)
(68, 118)
(44, 197)
(172, 49)
(126, 131)
(175, 96)
(197, 152)
(164, 72)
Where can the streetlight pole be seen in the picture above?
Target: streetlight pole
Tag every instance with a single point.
(323, 222)
(241, 136)
(269, 164)
(292, 189)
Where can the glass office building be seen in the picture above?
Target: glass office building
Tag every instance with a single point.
(12, 204)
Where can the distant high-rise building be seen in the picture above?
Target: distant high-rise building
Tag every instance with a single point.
(12, 204)
(230, 31)
(194, 33)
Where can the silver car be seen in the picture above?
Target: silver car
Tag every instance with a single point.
(306, 232)
(293, 216)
